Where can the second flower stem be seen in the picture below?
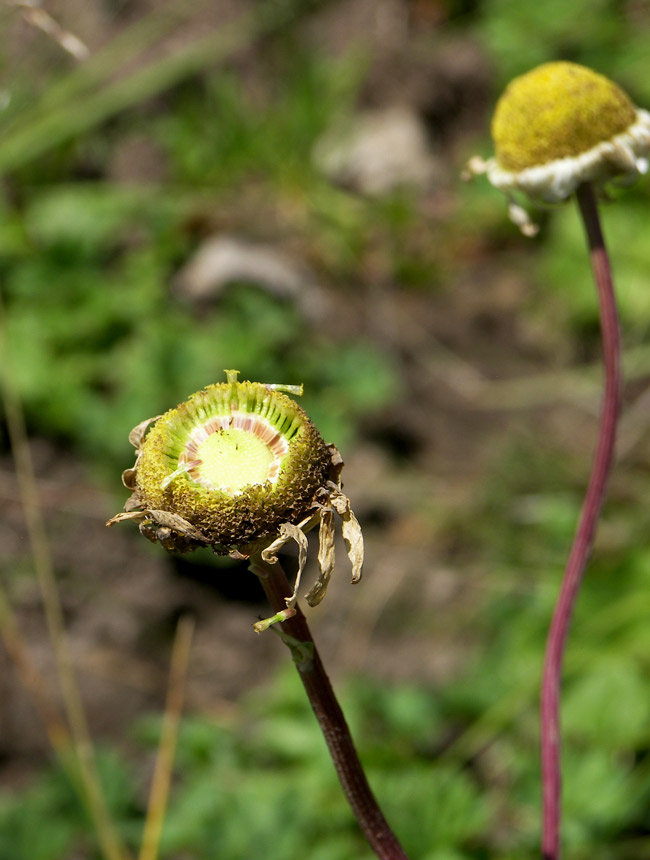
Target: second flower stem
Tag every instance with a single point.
(584, 537)
(298, 638)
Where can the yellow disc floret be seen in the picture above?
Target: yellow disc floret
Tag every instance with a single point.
(557, 110)
(234, 459)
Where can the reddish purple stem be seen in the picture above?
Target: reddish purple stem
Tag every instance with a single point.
(584, 537)
(329, 715)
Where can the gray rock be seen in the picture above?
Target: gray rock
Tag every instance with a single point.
(378, 151)
(222, 261)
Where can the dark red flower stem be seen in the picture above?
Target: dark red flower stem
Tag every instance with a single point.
(298, 638)
(583, 540)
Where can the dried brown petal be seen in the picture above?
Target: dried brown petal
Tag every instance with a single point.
(289, 532)
(128, 478)
(351, 532)
(180, 525)
(128, 515)
(137, 434)
(134, 502)
(337, 464)
(325, 558)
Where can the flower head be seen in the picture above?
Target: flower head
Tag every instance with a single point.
(239, 467)
(557, 126)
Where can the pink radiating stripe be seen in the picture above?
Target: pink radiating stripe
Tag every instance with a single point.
(245, 421)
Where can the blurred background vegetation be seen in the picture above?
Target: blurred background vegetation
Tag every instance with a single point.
(274, 186)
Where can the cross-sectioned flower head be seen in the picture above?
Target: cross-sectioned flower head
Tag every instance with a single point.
(558, 126)
(241, 468)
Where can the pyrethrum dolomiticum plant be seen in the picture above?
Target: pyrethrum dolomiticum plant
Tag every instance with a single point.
(239, 467)
(560, 130)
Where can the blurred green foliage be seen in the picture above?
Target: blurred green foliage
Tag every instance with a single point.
(608, 35)
(88, 270)
(267, 784)
(562, 265)
(455, 767)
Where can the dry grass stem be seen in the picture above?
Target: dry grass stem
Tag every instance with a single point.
(31, 678)
(107, 835)
(42, 20)
(164, 760)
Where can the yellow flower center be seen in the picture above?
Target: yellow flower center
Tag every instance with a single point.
(557, 110)
(234, 459)
(232, 452)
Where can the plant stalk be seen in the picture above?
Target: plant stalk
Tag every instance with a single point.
(298, 638)
(584, 536)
